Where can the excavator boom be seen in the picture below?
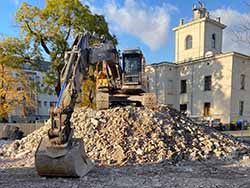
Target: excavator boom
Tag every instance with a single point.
(58, 154)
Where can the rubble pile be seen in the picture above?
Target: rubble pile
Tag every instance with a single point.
(137, 135)
(26, 147)
(134, 135)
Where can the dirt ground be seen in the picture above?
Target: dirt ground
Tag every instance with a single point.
(209, 174)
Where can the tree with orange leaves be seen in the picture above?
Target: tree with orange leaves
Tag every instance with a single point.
(16, 92)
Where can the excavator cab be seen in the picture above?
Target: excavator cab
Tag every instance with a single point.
(133, 64)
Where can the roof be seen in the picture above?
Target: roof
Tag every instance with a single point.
(200, 59)
(132, 51)
(162, 63)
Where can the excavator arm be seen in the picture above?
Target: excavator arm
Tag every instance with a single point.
(58, 154)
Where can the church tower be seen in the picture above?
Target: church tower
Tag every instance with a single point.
(200, 37)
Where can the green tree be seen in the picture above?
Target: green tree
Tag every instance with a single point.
(55, 25)
(15, 52)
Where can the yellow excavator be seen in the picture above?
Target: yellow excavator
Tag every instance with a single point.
(123, 84)
(58, 153)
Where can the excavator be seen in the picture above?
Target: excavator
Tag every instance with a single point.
(58, 153)
(123, 84)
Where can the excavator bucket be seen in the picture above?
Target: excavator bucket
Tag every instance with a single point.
(67, 160)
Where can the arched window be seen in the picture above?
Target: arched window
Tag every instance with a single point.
(189, 41)
(213, 40)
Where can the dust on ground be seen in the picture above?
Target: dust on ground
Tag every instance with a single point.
(189, 174)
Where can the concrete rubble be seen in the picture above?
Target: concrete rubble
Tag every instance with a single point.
(136, 135)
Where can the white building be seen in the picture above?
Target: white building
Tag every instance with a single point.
(203, 81)
(43, 101)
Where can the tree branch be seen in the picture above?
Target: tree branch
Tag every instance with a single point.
(46, 49)
(68, 33)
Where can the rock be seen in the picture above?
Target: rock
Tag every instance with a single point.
(94, 121)
(139, 152)
(118, 155)
(22, 154)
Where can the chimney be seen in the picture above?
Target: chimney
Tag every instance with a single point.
(181, 22)
(199, 11)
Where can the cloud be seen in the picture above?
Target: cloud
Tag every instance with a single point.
(150, 24)
(233, 19)
(90, 4)
(15, 2)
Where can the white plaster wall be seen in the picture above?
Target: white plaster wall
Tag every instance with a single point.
(220, 68)
(196, 30)
(241, 65)
(160, 78)
(44, 110)
(209, 30)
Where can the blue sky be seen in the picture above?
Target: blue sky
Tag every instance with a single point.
(146, 23)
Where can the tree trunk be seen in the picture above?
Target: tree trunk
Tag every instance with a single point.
(58, 86)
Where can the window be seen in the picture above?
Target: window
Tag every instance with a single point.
(242, 81)
(241, 108)
(132, 64)
(207, 106)
(183, 107)
(170, 87)
(39, 104)
(208, 83)
(183, 86)
(132, 67)
(38, 78)
(52, 104)
(31, 78)
(45, 103)
(213, 40)
(189, 42)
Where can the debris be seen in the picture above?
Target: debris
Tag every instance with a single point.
(136, 135)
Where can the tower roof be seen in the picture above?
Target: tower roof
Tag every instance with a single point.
(200, 14)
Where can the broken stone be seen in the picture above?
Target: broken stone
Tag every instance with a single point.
(94, 121)
(136, 135)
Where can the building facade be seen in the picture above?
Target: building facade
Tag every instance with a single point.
(203, 81)
(42, 100)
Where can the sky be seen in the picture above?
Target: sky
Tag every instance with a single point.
(146, 24)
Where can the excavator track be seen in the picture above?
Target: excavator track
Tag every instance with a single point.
(67, 160)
